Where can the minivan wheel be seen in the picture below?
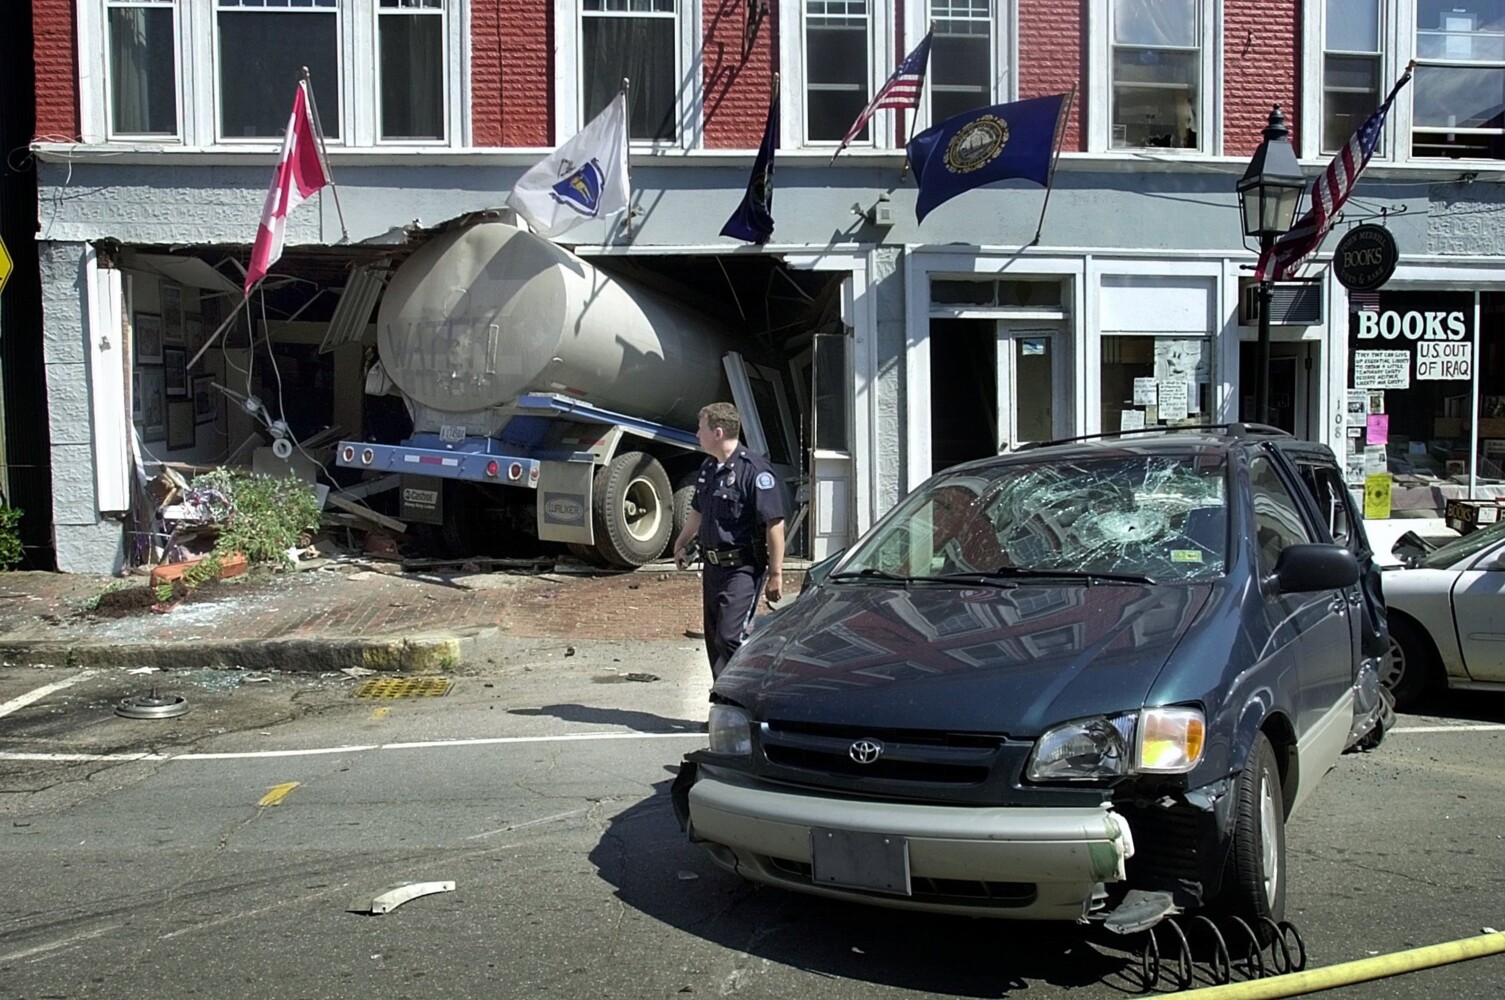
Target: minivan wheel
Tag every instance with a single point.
(1254, 877)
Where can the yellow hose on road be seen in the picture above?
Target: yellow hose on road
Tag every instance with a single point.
(1379, 967)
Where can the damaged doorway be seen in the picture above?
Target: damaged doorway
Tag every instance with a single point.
(994, 386)
(1293, 390)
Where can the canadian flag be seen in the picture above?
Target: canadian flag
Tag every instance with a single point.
(300, 172)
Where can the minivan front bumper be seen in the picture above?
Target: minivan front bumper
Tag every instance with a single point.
(1027, 863)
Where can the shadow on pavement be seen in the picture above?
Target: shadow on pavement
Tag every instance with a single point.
(1463, 705)
(639, 722)
(645, 855)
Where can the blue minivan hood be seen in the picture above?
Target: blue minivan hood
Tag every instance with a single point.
(961, 659)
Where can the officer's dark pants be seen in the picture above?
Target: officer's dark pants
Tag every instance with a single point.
(729, 596)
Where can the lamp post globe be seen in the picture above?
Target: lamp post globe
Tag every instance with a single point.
(1269, 194)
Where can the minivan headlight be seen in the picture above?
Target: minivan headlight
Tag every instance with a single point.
(1083, 750)
(1152, 741)
(730, 729)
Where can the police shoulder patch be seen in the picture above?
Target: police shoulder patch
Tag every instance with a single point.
(765, 480)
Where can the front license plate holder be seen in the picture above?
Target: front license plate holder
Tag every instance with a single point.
(878, 862)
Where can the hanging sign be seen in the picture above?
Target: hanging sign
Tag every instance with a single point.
(1365, 258)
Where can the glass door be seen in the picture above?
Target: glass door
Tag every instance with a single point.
(1031, 383)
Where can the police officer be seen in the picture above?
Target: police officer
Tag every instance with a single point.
(737, 515)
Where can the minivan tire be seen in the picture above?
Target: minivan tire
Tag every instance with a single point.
(1254, 876)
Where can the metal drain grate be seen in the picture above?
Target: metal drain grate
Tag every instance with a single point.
(404, 687)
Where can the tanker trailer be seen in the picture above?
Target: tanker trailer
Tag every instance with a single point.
(547, 384)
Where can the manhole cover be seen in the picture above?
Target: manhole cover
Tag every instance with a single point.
(404, 687)
(152, 706)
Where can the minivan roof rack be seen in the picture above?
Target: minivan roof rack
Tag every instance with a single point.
(1237, 429)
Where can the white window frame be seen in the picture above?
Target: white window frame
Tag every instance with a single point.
(569, 114)
(107, 97)
(1099, 111)
(1395, 39)
(1005, 51)
(881, 63)
(199, 84)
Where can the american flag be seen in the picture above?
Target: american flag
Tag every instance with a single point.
(901, 90)
(1330, 191)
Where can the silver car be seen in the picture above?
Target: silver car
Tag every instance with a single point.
(1447, 617)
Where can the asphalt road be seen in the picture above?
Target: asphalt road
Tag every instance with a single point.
(220, 854)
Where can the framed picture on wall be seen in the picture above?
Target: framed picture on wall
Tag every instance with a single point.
(153, 404)
(180, 426)
(137, 413)
(172, 314)
(175, 365)
(205, 399)
(146, 330)
(193, 332)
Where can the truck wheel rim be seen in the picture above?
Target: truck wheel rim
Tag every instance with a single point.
(641, 495)
(1268, 844)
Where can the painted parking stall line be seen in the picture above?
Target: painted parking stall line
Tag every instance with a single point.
(31, 697)
(125, 758)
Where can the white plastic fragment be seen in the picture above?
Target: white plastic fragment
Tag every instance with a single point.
(356, 671)
(142, 670)
(390, 900)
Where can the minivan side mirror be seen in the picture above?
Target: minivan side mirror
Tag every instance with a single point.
(1315, 566)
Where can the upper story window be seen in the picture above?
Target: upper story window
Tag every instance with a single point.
(632, 40)
(1458, 92)
(837, 70)
(210, 72)
(652, 44)
(142, 54)
(969, 55)
(263, 46)
(1351, 68)
(1156, 65)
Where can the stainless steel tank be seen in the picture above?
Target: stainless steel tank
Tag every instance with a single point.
(479, 316)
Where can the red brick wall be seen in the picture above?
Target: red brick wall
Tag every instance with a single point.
(737, 89)
(1052, 38)
(57, 82)
(1261, 46)
(512, 73)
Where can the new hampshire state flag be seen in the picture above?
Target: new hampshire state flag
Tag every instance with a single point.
(989, 144)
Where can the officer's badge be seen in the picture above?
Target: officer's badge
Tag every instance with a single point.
(730, 480)
(580, 189)
(765, 480)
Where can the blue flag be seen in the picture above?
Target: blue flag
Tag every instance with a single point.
(988, 144)
(753, 219)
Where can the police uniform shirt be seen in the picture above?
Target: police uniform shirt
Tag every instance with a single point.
(736, 500)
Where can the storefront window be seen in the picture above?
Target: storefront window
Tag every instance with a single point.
(1414, 358)
(1149, 380)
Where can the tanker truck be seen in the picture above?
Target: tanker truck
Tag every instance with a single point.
(543, 389)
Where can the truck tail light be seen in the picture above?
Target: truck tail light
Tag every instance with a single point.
(492, 468)
(515, 471)
(347, 454)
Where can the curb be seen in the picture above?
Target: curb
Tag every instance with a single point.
(426, 652)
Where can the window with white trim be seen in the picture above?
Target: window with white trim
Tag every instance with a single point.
(1458, 91)
(1352, 68)
(635, 40)
(963, 57)
(142, 55)
(1157, 50)
(837, 70)
(204, 73)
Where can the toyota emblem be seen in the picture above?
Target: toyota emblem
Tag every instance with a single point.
(865, 751)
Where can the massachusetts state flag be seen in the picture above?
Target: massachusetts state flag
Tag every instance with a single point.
(901, 90)
(300, 172)
(584, 179)
(753, 219)
(989, 144)
(1329, 193)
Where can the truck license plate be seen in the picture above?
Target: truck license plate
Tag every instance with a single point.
(876, 861)
(451, 434)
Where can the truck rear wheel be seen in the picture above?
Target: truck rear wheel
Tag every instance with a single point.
(632, 508)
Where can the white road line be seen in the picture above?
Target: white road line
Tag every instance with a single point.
(524, 826)
(55, 945)
(315, 751)
(16, 704)
(1484, 728)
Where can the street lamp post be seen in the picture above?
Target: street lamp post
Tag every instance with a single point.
(1269, 194)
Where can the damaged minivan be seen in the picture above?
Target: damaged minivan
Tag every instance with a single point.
(1066, 683)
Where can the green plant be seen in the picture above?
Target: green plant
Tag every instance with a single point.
(260, 516)
(11, 551)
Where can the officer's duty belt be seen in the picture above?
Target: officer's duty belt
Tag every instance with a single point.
(728, 558)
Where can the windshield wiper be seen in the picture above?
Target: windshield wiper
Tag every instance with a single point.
(868, 573)
(1091, 576)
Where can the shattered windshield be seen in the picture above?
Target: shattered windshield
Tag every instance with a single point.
(1155, 517)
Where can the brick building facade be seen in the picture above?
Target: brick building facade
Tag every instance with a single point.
(983, 327)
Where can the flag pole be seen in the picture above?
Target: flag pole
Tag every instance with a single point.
(1061, 121)
(914, 112)
(313, 106)
(626, 83)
